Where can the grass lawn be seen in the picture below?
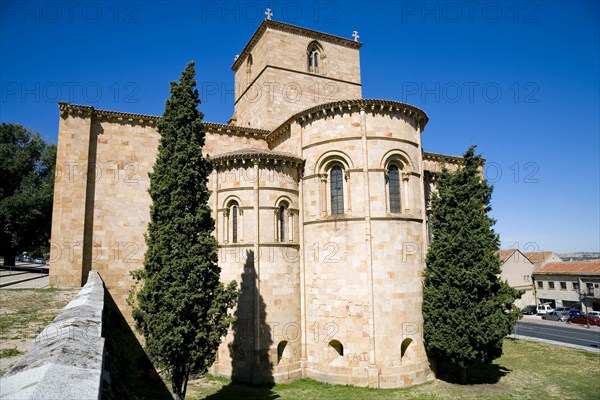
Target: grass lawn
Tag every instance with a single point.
(527, 370)
(23, 314)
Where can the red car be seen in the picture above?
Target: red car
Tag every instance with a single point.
(592, 317)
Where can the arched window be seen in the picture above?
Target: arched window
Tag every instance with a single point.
(394, 188)
(336, 179)
(315, 56)
(282, 223)
(404, 346)
(234, 221)
(280, 349)
(338, 347)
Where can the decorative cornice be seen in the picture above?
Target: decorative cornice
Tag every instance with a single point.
(213, 127)
(253, 156)
(369, 105)
(293, 29)
(209, 127)
(67, 109)
(443, 158)
(437, 157)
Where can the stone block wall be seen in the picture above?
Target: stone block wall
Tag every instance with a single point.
(66, 359)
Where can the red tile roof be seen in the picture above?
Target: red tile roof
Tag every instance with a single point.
(506, 254)
(538, 257)
(571, 268)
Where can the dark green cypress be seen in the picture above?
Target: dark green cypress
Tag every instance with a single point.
(467, 309)
(181, 307)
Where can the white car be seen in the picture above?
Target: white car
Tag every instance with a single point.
(596, 314)
(543, 309)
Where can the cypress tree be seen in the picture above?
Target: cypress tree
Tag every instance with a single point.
(467, 309)
(181, 308)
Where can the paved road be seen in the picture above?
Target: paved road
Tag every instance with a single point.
(24, 276)
(560, 332)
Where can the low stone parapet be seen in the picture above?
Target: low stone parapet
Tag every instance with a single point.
(65, 360)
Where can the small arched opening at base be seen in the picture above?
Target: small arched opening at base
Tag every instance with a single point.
(404, 347)
(338, 347)
(280, 349)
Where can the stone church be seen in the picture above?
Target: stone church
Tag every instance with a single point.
(319, 198)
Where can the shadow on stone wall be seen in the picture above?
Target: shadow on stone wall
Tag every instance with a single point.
(251, 367)
(131, 375)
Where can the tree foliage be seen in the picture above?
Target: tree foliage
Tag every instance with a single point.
(181, 308)
(26, 190)
(467, 309)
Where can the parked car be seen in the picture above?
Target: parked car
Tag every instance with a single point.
(593, 317)
(567, 309)
(529, 310)
(27, 259)
(595, 313)
(543, 309)
(561, 316)
(578, 319)
(574, 313)
(39, 261)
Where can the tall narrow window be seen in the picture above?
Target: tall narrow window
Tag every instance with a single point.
(394, 188)
(337, 190)
(234, 223)
(282, 223)
(314, 57)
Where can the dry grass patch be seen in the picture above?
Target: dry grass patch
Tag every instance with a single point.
(23, 314)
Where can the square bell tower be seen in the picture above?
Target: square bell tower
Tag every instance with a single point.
(285, 69)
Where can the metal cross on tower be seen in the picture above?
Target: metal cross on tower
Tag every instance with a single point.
(269, 13)
(355, 36)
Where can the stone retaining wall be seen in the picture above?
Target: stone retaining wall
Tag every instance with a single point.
(65, 360)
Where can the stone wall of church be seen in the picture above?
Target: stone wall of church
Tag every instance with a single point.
(101, 204)
(69, 208)
(264, 343)
(278, 94)
(363, 268)
(101, 201)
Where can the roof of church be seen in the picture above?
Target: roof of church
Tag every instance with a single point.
(66, 108)
(297, 30)
(408, 110)
(571, 268)
(254, 153)
(428, 156)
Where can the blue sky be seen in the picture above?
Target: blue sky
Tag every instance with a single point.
(521, 80)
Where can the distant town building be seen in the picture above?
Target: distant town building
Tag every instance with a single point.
(517, 270)
(572, 284)
(541, 258)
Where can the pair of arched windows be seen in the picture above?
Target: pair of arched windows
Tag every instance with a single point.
(336, 190)
(233, 227)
